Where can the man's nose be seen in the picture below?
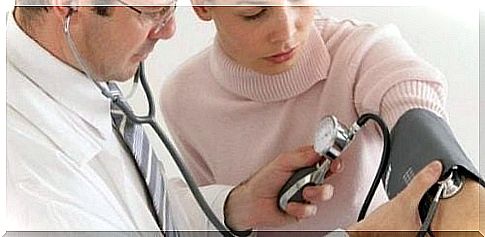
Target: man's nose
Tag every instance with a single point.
(286, 24)
(163, 31)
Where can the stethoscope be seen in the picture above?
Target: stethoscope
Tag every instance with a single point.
(119, 100)
(330, 140)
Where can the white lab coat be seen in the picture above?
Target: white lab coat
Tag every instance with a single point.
(66, 168)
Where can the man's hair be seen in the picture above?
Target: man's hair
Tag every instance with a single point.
(31, 14)
(35, 11)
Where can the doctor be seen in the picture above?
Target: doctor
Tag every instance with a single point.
(68, 167)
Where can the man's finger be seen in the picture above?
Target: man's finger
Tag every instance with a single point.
(305, 148)
(301, 210)
(337, 166)
(298, 159)
(317, 194)
(421, 182)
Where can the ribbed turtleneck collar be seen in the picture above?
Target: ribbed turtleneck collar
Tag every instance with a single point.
(311, 67)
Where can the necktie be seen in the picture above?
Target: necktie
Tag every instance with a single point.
(149, 166)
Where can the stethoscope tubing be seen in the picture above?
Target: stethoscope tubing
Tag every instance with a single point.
(149, 119)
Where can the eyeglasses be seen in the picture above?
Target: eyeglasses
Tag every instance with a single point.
(159, 16)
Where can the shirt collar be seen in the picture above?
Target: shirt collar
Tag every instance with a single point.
(311, 67)
(64, 84)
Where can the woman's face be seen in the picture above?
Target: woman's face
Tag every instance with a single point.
(266, 39)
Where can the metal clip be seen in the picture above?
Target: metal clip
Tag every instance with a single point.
(319, 175)
(452, 184)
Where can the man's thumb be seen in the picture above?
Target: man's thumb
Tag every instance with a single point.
(421, 182)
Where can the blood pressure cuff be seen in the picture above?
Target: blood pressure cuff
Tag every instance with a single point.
(418, 138)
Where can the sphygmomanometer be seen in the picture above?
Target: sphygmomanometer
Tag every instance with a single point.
(418, 137)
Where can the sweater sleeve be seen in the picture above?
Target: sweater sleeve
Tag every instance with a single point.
(392, 79)
(413, 94)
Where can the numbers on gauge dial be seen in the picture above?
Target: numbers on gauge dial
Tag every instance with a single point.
(325, 134)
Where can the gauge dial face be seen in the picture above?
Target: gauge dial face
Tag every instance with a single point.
(325, 135)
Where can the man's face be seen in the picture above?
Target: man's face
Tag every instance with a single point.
(113, 46)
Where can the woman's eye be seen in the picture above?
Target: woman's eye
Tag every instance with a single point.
(256, 15)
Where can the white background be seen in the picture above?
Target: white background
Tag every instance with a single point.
(446, 37)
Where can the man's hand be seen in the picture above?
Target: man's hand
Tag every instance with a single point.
(461, 212)
(253, 203)
(401, 213)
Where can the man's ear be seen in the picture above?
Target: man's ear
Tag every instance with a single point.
(203, 12)
(62, 8)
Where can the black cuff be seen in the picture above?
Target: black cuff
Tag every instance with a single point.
(419, 137)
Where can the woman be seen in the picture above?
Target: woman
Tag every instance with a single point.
(271, 74)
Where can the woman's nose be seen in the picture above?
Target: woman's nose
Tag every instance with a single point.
(163, 31)
(285, 24)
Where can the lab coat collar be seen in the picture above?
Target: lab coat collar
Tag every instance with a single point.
(60, 82)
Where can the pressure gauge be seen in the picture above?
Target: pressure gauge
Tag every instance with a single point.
(331, 137)
(325, 134)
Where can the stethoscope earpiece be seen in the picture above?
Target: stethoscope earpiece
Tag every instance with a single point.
(72, 9)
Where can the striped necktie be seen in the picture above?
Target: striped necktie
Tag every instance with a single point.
(149, 166)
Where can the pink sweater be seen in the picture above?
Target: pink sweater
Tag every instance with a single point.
(228, 121)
